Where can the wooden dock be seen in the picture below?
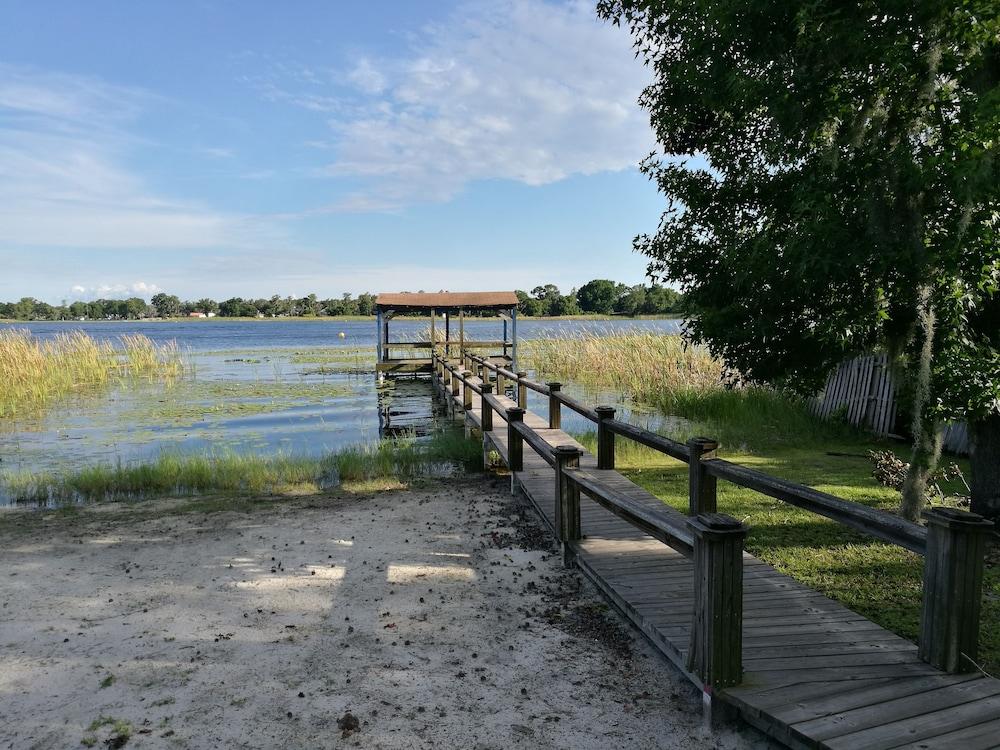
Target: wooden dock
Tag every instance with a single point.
(807, 671)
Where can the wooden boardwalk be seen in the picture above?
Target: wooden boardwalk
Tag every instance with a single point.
(816, 674)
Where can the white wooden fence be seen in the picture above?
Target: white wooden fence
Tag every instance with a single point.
(862, 390)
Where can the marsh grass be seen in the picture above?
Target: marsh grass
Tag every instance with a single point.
(34, 372)
(179, 474)
(679, 380)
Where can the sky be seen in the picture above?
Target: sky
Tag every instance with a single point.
(248, 148)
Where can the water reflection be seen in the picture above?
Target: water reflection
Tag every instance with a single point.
(407, 407)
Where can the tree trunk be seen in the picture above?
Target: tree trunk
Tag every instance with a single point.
(926, 432)
(924, 461)
(985, 460)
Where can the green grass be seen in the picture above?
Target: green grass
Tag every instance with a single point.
(878, 580)
(383, 464)
(662, 372)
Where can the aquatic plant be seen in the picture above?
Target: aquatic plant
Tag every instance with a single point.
(185, 474)
(677, 379)
(34, 372)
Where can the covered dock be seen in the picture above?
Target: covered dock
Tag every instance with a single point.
(446, 314)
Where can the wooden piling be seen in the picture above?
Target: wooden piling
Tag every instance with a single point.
(702, 487)
(953, 588)
(716, 650)
(515, 443)
(555, 407)
(567, 506)
(605, 438)
(466, 391)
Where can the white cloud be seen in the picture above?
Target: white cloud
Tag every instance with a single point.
(64, 144)
(367, 78)
(524, 90)
(114, 291)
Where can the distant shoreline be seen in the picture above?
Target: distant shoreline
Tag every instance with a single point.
(337, 318)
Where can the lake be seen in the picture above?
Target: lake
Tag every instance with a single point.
(270, 386)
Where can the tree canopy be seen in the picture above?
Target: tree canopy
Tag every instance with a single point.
(833, 182)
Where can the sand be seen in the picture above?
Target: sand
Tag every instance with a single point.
(437, 617)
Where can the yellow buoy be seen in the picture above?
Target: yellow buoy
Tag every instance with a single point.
(342, 335)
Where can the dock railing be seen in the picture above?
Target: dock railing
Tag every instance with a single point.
(953, 543)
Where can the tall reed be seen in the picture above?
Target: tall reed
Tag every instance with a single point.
(639, 364)
(679, 380)
(33, 372)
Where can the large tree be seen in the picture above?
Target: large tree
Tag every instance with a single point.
(599, 296)
(833, 177)
(167, 305)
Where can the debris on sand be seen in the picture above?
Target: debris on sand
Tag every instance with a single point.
(348, 724)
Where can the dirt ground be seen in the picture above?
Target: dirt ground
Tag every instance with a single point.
(436, 617)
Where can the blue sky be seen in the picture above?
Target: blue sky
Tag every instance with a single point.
(248, 148)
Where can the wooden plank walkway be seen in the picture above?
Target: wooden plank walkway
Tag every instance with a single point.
(816, 674)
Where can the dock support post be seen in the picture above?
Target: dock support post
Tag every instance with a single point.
(605, 438)
(486, 421)
(702, 487)
(515, 446)
(567, 509)
(555, 407)
(953, 588)
(466, 391)
(715, 654)
(461, 333)
(487, 410)
(385, 336)
(378, 335)
(501, 387)
(513, 337)
(522, 390)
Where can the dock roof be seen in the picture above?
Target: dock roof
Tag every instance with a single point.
(445, 300)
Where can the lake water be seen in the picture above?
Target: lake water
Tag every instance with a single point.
(269, 386)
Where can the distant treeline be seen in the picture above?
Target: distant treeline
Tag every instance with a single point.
(597, 297)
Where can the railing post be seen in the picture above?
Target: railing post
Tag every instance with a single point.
(555, 413)
(953, 588)
(605, 438)
(466, 391)
(715, 654)
(702, 487)
(522, 391)
(454, 382)
(501, 390)
(567, 509)
(487, 410)
(486, 422)
(515, 443)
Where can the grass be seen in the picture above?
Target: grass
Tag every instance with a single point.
(34, 372)
(679, 380)
(120, 732)
(878, 580)
(387, 463)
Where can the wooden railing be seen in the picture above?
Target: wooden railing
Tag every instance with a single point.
(953, 542)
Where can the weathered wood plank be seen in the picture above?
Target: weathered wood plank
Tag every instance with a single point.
(806, 659)
(907, 720)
